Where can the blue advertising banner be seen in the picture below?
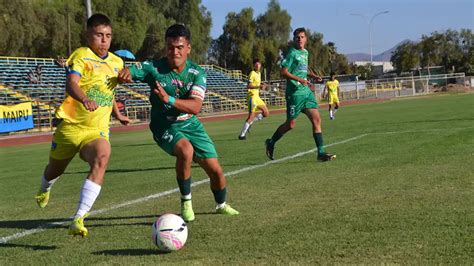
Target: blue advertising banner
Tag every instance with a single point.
(16, 117)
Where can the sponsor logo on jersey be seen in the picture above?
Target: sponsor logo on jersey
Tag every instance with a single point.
(193, 71)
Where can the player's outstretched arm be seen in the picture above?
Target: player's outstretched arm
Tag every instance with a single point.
(124, 76)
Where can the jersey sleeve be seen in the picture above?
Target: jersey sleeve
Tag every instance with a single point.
(198, 89)
(75, 64)
(140, 70)
(286, 63)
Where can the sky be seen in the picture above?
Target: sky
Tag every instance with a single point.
(406, 19)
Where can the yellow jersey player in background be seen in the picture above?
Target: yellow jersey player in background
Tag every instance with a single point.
(84, 117)
(332, 87)
(253, 99)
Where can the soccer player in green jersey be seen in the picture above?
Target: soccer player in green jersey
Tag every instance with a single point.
(299, 97)
(178, 89)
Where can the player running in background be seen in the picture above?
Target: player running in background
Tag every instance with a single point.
(253, 99)
(178, 90)
(84, 117)
(299, 97)
(332, 87)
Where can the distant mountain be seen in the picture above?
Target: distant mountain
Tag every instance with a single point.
(384, 56)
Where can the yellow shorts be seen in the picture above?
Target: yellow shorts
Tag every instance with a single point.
(69, 139)
(333, 98)
(254, 103)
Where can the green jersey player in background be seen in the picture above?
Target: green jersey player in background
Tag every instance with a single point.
(299, 97)
(178, 89)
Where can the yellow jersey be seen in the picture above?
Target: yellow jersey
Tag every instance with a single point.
(98, 81)
(254, 80)
(332, 86)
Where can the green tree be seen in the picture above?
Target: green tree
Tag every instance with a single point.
(406, 57)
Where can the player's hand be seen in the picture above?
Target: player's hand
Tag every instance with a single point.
(90, 105)
(161, 93)
(304, 82)
(124, 76)
(124, 120)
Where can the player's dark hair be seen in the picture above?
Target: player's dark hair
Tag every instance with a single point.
(298, 31)
(178, 30)
(333, 73)
(98, 19)
(256, 60)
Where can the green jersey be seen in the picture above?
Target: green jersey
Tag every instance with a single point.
(190, 83)
(296, 61)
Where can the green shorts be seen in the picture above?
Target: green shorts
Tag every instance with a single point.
(296, 103)
(168, 134)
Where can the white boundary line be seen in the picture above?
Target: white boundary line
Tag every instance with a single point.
(39, 229)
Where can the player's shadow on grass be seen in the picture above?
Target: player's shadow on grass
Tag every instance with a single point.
(31, 224)
(32, 247)
(131, 170)
(129, 252)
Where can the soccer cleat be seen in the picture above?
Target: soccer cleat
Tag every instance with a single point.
(77, 227)
(42, 198)
(227, 210)
(269, 149)
(187, 211)
(326, 157)
(331, 117)
(242, 137)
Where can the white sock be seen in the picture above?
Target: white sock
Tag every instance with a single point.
(89, 193)
(186, 197)
(335, 110)
(330, 113)
(258, 117)
(220, 206)
(244, 129)
(47, 184)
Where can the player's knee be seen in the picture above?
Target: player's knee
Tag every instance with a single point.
(291, 124)
(101, 161)
(185, 153)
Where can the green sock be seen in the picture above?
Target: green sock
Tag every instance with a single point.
(219, 195)
(184, 186)
(276, 136)
(318, 138)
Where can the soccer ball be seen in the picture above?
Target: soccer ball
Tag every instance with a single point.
(169, 232)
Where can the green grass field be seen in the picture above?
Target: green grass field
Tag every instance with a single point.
(401, 191)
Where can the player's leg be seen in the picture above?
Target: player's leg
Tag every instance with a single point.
(247, 124)
(51, 174)
(315, 118)
(183, 150)
(205, 155)
(331, 116)
(96, 153)
(218, 184)
(294, 106)
(64, 147)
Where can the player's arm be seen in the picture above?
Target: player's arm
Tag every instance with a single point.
(191, 106)
(124, 120)
(324, 91)
(286, 74)
(73, 89)
(312, 74)
(136, 72)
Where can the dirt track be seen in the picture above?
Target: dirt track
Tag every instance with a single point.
(46, 137)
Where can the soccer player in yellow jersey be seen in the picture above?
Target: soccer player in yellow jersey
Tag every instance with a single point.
(253, 99)
(332, 87)
(84, 117)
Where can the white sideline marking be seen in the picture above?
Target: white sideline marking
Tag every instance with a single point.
(39, 229)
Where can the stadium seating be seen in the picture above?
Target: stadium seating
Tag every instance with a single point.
(226, 89)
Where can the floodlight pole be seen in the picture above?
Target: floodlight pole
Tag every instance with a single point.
(369, 23)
